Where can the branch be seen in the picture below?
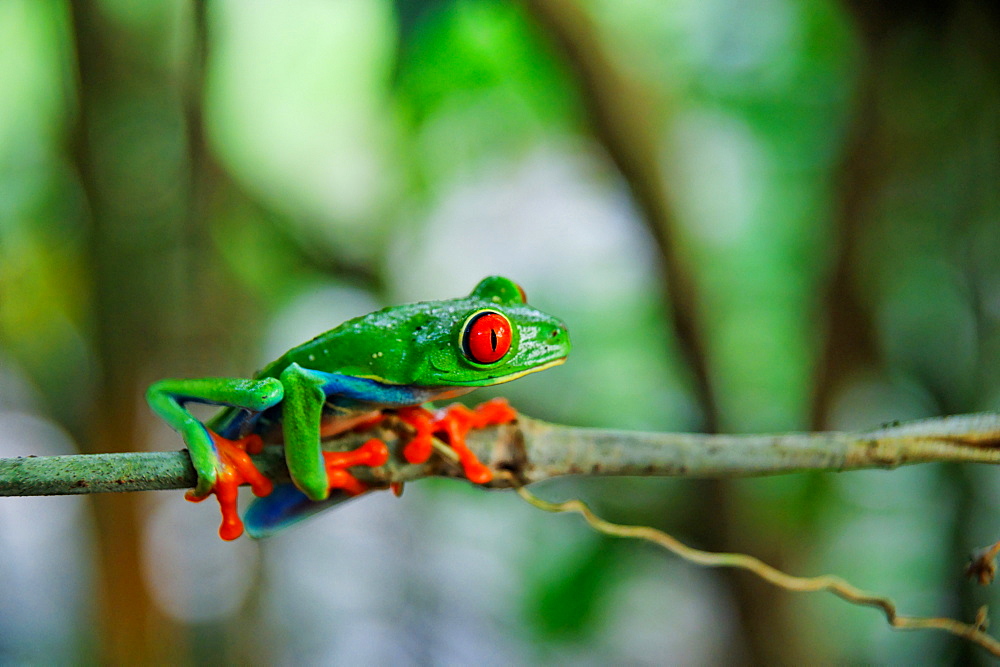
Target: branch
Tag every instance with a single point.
(530, 450)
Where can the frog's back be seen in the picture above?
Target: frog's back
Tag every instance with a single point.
(360, 346)
(328, 352)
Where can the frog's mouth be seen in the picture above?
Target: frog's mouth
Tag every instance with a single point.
(491, 380)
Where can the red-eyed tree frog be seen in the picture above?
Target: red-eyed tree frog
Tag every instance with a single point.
(397, 358)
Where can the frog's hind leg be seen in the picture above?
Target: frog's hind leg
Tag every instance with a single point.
(285, 507)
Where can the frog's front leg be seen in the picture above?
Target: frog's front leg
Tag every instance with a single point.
(221, 465)
(306, 391)
(301, 415)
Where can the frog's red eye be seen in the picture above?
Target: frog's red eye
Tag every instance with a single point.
(487, 337)
(524, 297)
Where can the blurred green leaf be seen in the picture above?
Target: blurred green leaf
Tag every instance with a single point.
(566, 604)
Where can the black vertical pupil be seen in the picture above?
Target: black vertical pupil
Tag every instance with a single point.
(493, 339)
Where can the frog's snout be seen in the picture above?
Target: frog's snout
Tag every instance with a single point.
(559, 338)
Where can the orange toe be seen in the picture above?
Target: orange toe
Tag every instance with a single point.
(234, 469)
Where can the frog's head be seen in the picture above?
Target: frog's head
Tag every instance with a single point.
(489, 337)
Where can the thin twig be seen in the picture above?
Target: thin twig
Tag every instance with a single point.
(836, 585)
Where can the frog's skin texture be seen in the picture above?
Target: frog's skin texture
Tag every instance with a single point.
(396, 358)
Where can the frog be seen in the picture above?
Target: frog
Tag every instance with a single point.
(396, 360)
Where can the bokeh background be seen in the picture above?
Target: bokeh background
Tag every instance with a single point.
(754, 215)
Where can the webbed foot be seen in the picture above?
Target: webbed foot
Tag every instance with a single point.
(373, 454)
(455, 421)
(233, 469)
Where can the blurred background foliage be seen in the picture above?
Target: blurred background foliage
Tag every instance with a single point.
(754, 216)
